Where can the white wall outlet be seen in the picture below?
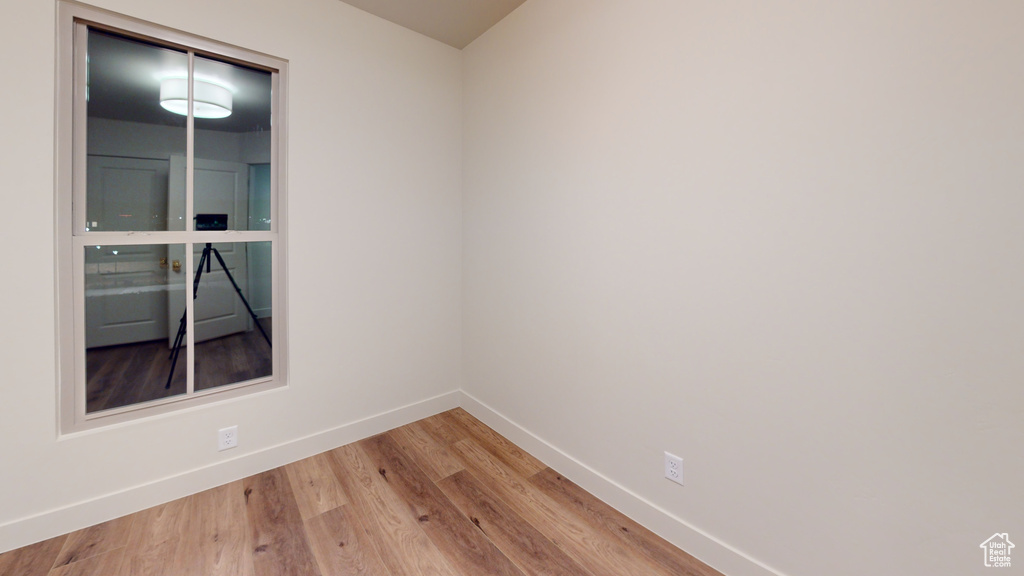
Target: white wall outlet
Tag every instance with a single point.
(674, 468)
(227, 438)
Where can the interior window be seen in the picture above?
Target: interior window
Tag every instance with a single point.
(169, 241)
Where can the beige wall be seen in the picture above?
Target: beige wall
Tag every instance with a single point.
(374, 260)
(782, 240)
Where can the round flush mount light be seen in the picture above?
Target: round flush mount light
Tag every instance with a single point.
(208, 100)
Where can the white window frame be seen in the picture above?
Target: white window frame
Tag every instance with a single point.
(72, 235)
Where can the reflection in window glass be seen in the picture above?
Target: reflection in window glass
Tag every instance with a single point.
(233, 314)
(259, 197)
(128, 290)
(131, 137)
(232, 133)
(168, 143)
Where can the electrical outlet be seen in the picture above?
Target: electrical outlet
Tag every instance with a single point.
(227, 438)
(674, 468)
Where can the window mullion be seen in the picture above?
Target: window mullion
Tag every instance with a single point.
(190, 138)
(190, 273)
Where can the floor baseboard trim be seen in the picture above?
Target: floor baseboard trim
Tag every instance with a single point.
(705, 547)
(39, 527)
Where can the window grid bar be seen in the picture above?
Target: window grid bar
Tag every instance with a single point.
(190, 167)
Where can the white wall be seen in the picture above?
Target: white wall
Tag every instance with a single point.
(374, 260)
(783, 240)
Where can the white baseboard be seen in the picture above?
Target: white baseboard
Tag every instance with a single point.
(714, 552)
(703, 546)
(51, 523)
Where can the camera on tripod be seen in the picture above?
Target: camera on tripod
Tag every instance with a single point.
(207, 223)
(211, 222)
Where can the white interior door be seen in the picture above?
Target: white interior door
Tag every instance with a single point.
(221, 188)
(125, 294)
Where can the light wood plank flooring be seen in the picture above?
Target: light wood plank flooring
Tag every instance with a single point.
(445, 496)
(133, 373)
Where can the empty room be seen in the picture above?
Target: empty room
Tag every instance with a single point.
(597, 287)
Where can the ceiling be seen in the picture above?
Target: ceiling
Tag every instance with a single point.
(124, 74)
(454, 22)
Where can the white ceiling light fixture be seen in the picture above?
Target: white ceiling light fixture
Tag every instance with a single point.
(209, 100)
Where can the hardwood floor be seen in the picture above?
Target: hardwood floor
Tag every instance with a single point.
(133, 373)
(445, 496)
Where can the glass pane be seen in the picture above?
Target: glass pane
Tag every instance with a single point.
(234, 135)
(132, 137)
(259, 197)
(130, 293)
(233, 326)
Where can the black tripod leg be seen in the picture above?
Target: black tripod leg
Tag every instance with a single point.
(179, 339)
(204, 258)
(255, 319)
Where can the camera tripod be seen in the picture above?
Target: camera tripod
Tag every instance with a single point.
(204, 260)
